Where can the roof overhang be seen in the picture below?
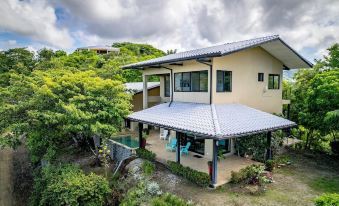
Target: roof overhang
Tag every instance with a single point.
(274, 45)
(209, 121)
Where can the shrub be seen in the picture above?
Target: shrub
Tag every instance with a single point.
(270, 164)
(153, 189)
(335, 147)
(200, 178)
(148, 167)
(252, 174)
(168, 199)
(134, 196)
(68, 185)
(327, 200)
(145, 154)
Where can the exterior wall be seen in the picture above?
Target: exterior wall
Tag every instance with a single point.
(246, 89)
(209, 148)
(162, 90)
(137, 99)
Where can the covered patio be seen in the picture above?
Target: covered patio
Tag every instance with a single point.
(211, 123)
(196, 161)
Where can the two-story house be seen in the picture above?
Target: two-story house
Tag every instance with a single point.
(216, 94)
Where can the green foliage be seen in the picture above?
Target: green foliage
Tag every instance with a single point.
(146, 154)
(327, 200)
(168, 199)
(256, 145)
(148, 167)
(68, 185)
(199, 178)
(250, 175)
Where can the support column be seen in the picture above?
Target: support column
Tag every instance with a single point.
(215, 163)
(177, 135)
(145, 91)
(288, 111)
(140, 126)
(269, 142)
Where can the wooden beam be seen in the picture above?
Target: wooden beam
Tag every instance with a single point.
(214, 163)
(177, 64)
(177, 135)
(269, 142)
(140, 125)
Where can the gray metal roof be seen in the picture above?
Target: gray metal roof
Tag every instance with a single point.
(281, 51)
(136, 87)
(216, 121)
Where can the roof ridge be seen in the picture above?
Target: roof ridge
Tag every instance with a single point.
(215, 121)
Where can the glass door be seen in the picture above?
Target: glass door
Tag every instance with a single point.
(197, 145)
(224, 146)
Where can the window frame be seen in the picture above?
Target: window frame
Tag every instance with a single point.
(261, 77)
(273, 75)
(165, 85)
(223, 80)
(181, 74)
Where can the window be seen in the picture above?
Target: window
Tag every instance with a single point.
(224, 81)
(191, 81)
(167, 85)
(273, 81)
(260, 77)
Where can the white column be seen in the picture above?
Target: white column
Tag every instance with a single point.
(145, 92)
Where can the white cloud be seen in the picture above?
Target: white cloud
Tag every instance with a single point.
(34, 19)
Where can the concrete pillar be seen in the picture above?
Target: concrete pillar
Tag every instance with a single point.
(269, 142)
(145, 92)
(215, 163)
(177, 135)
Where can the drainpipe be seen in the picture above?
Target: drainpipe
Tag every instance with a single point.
(172, 83)
(210, 65)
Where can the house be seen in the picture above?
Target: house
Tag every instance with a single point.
(100, 49)
(136, 88)
(216, 94)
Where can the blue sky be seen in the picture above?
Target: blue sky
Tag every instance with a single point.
(308, 26)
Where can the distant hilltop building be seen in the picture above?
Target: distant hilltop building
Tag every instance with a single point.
(100, 49)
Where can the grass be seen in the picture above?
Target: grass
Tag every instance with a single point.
(328, 185)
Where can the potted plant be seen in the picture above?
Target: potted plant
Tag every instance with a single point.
(143, 139)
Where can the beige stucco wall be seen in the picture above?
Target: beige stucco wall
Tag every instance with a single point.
(246, 89)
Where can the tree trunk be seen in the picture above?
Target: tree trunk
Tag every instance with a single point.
(96, 141)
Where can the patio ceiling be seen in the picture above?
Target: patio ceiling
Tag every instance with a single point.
(215, 121)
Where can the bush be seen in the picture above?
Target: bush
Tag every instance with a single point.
(200, 178)
(68, 185)
(335, 147)
(270, 164)
(145, 154)
(168, 199)
(252, 174)
(148, 167)
(327, 200)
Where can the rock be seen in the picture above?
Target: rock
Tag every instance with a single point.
(134, 168)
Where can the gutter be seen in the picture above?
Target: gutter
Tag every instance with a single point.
(172, 83)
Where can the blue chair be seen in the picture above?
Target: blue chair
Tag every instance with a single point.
(184, 149)
(171, 145)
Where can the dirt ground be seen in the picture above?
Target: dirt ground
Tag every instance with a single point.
(6, 187)
(293, 185)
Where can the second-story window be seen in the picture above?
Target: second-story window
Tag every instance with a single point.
(191, 81)
(273, 81)
(260, 77)
(224, 81)
(167, 85)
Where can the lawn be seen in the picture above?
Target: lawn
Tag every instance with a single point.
(297, 184)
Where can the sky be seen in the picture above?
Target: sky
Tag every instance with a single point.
(309, 26)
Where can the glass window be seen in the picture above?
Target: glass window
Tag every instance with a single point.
(224, 81)
(273, 81)
(191, 81)
(203, 81)
(186, 82)
(177, 77)
(260, 77)
(167, 85)
(195, 81)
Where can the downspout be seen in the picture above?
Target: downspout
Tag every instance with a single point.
(210, 65)
(172, 83)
